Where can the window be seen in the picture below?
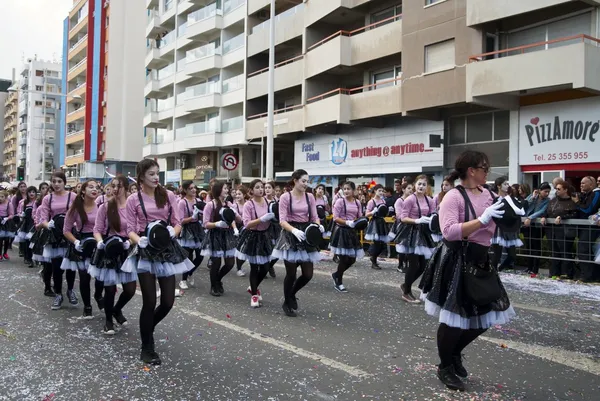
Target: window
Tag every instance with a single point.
(106, 46)
(50, 120)
(285, 104)
(430, 2)
(38, 103)
(105, 71)
(107, 21)
(439, 56)
(39, 88)
(39, 73)
(385, 75)
(478, 128)
(51, 88)
(386, 13)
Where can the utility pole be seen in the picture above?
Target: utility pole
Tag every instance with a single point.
(271, 95)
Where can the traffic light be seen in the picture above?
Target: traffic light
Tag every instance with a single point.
(20, 173)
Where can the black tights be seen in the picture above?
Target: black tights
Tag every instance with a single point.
(344, 264)
(84, 288)
(257, 275)
(27, 252)
(47, 274)
(416, 267)
(5, 245)
(451, 341)
(57, 275)
(109, 299)
(376, 249)
(239, 263)
(217, 272)
(291, 284)
(198, 259)
(150, 315)
(401, 259)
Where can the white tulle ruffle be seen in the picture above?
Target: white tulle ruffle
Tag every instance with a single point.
(484, 321)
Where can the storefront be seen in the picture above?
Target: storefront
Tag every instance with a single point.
(560, 139)
(408, 147)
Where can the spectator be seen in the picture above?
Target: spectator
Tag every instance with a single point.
(390, 198)
(407, 179)
(556, 181)
(398, 187)
(561, 236)
(537, 203)
(588, 203)
(524, 192)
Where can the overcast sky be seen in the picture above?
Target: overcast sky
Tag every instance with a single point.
(31, 27)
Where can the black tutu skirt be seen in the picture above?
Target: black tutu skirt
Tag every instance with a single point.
(108, 269)
(25, 230)
(376, 230)
(55, 240)
(8, 229)
(444, 295)
(168, 262)
(506, 239)
(415, 239)
(274, 231)
(219, 243)
(36, 244)
(328, 225)
(393, 234)
(74, 260)
(192, 235)
(255, 247)
(346, 242)
(289, 248)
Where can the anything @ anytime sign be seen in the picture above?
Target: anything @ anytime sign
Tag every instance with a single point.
(558, 133)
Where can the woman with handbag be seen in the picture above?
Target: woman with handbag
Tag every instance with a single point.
(110, 229)
(192, 232)
(376, 230)
(459, 285)
(153, 223)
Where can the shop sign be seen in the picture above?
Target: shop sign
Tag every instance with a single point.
(559, 133)
(188, 174)
(173, 176)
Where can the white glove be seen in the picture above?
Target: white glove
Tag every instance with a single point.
(126, 245)
(143, 242)
(22, 214)
(392, 210)
(196, 213)
(51, 224)
(236, 232)
(221, 224)
(350, 223)
(423, 220)
(491, 212)
(171, 231)
(100, 245)
(321, 228)
(4, 220)
(299, 234)
(267, 217)
(78, 246)
(327, 214)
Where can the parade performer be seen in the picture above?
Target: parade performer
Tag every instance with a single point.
(376, 230)
(192, 232)
(26, 210)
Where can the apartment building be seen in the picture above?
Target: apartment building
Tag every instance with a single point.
(39, 90)
(8, 120)
(103, 119)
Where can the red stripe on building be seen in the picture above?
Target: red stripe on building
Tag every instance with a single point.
(89, 80)
(566, 167)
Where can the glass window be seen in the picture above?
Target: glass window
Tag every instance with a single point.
(39, 73)
(480, 128)
(456, 130)
(39, 88)
(439, 56)
(429, 2)
(382, 76)
(501, 125)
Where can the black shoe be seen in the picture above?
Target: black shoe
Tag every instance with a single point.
(72, 297)
(118, 315)
(109, 328)
(448, 376)
(400, 268)
(87, 313)
(100, 302)
(214, 291)
(148, 355)
(49, 293)
(288, 310)
(459, 367)
(272, 271)
(336, 259)
(293, 302)
(220, 288)
(335, 279)
(29, 264)
(374, 264)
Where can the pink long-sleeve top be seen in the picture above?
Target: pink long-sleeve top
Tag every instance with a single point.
(410, 209)
(299, 208)
(374, 202)
(398, 205)
(452, 215)
(7, 209)
(208, 212)
(353, 210)
(136, 220)
(73, 220)
(22, 206)
(186, 209)
(101, 224)
(36, 213)
(59, 205)
(254, 210)
(323, 202)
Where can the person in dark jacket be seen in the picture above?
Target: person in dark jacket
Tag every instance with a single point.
(561, 236)
(589, 203)
(537, 203)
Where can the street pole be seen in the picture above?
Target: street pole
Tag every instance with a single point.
(44, 129)
(271, 94)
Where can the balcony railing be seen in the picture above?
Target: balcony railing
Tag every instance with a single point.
(83, 39)
(169, 5)
(167, 39)
(356, 31)
(166, 71)
(524, 49)
(202, 127)
(181, 64)
(285, 14)
(82, 62)
(232, 124)
(207, 50)
(76, 111)
(77, 87)
(202, 14)
(278, 111)
(181, 29)
(75, 131)
(231, 5)
(352, 91)
(280, 64)
(203, 89)
(165, 104)
(233, 43)
(232, 84)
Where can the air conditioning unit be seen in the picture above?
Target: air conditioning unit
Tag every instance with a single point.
(103, 103)
(102, 128)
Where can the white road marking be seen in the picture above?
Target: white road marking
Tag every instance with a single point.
(575, 360)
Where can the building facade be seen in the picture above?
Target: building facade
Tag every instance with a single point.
(103, 119)
(8, 120)
(39, 90)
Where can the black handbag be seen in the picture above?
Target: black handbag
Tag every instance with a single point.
(480, 280)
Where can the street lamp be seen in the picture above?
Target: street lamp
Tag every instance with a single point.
(45, 94)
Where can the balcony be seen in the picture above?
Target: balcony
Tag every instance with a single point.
(167, 45)
(288, 25)
(203, 58)
(166, 76)
(203, 96)
(570, 62)
(78, 91)
(349, 48)
(74, 136)
(152, 88)
(78, 47)
(204, 21)
(319, 9)
(151, 118)
(288, 73)
(151, 3)
(168, 13)
(233, 50)
(74, 159)
(165, 109)
(23, 127)
(77, 69)
(285, 121)
(231, 91)
(153, 60)
(233, 11)
(76, 115)
(153, 27)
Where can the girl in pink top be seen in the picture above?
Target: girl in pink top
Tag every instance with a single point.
(274, 229)
(7, 224)
(377, 230)
(26, 210)
(153, 206)
(414, 237)
(297, 210)
(79, 231)
(240, 195)
(254, 245)
(345, 242)
(111, 228)
(220, 239)
(407, 190)
(192, 232)
(323, 209)
(466, 214)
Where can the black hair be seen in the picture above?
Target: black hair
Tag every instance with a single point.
(466, 160)
(296, 175)
(545, 186)
(350, 184)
